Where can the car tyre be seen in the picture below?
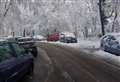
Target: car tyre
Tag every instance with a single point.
(34, 51)
(102, 47)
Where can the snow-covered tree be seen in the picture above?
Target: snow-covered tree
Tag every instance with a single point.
(44, 17)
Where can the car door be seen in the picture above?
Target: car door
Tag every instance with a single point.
(25, 59)
(7, 62)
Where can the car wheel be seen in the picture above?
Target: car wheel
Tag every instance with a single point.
(102, 47)
(34, 51)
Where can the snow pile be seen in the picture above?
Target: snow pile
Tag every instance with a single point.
(85, 44)
(89, 44)
(110, 58)
(104, 56)
(76, 45)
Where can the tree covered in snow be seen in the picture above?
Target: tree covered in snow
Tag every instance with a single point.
(110, 14)
(44, 17)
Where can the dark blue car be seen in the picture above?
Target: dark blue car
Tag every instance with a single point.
(110, 43)
(69, 40)
(15, 62)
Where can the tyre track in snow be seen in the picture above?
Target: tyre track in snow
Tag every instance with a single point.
(63, 61)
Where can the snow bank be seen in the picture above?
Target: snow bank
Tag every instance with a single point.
(89, 44)
(110, 58)
(85, 44)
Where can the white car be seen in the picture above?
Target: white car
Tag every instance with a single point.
(39, 37)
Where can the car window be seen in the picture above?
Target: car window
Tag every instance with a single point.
(5, 52)
(104, 37)
(112, 38)
(20, 51)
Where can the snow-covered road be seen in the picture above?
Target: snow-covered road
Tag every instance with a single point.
(56, 63)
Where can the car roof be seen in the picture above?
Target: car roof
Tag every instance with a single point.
(25, 38)
(7, 41)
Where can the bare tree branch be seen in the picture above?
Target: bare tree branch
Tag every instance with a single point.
(7, 8)
(110, 14)
(115, 17)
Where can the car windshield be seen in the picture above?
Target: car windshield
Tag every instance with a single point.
(5, 52)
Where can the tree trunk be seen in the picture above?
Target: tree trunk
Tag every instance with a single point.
(101, 17)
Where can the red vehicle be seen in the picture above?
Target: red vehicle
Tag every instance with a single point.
(53, 37)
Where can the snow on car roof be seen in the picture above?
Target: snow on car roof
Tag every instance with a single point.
(27, 37)
(68, 34)
(38, 36)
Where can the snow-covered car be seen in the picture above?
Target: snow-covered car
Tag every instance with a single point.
(39, 38)
(67, 37)
(68, 40)
(66, 34)
(111, 43)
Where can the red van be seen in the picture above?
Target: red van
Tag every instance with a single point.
(53, 37)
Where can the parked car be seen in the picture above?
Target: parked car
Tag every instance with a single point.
(66, 34)
(39, 38)
(15, 62)
(111, 43)
(69, 40)
(29, 44)
(53, 37)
